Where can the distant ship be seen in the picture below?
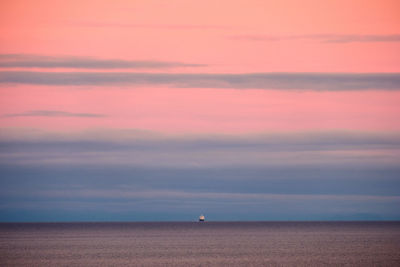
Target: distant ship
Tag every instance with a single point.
(202, 218)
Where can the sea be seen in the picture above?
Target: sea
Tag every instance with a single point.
(200, 244)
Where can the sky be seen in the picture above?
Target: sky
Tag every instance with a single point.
(164, 110)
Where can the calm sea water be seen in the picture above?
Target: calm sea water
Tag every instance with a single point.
(201, 244)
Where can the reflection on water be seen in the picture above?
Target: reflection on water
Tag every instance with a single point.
(193, 243)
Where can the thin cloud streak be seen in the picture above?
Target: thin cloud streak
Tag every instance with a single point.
(135, 138)
(170, 194)
(148, 26)
(41, 61)
(280, 81)
(323, 38)
(53, 113)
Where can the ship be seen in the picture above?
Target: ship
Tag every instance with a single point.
(201, 218)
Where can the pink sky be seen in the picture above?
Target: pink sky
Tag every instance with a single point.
(228, 37)
(204, 110)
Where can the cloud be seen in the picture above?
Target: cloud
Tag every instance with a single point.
(226, 193)
(324, 38)
(44, 191)
(53, 113)
(40, 61)
(280, 81)
(131, 193)
(134, 181)
(295, 149)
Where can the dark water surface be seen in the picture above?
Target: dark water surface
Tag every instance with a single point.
(200, 244)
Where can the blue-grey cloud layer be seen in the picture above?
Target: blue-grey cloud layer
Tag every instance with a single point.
(63, 193)
(40, 61)
(324, 38)
(311, 149)
(137, 175)
(53, 113)
(282, 81)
